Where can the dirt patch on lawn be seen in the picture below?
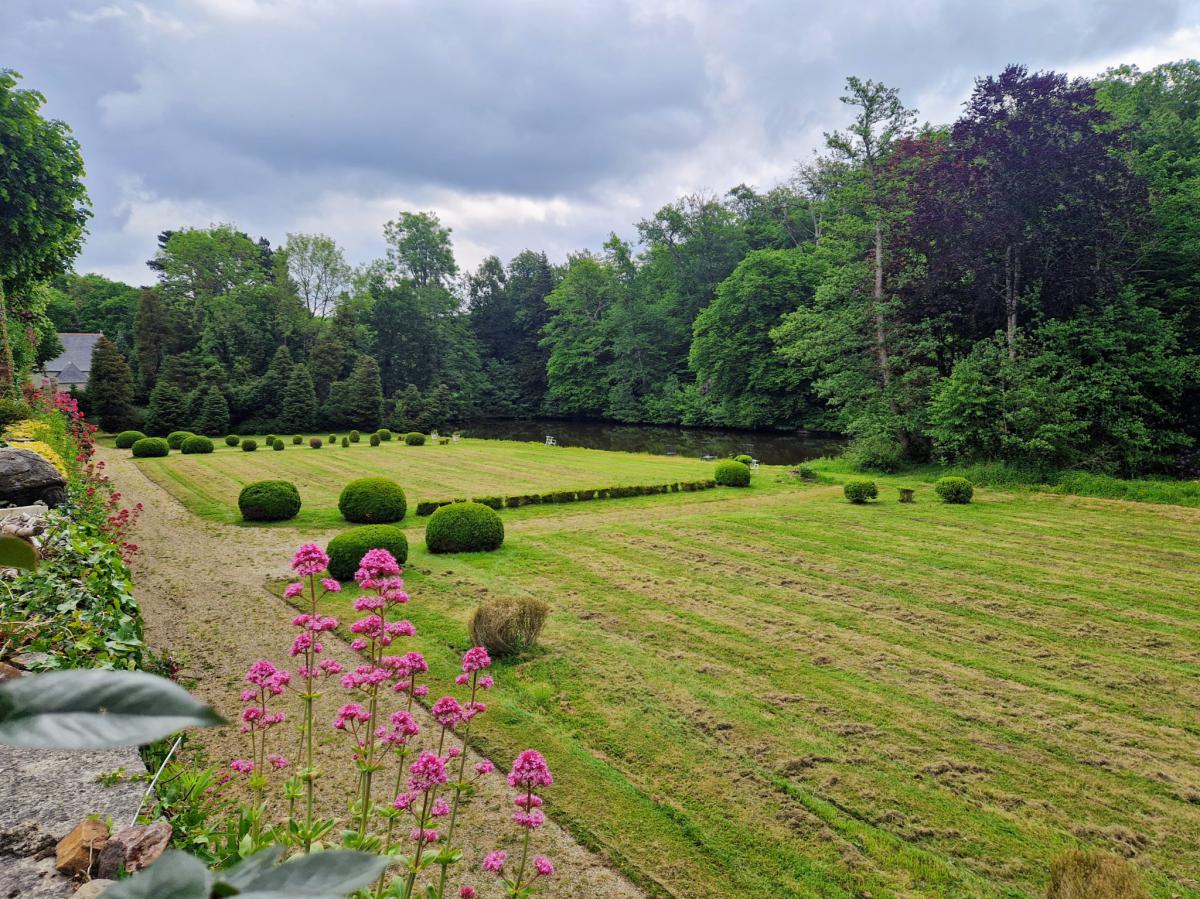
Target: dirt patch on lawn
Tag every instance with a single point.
(202, 591)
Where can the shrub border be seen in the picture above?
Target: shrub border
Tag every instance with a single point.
(427, 507)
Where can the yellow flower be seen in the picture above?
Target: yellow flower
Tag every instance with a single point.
(44, 450)
(27, 429)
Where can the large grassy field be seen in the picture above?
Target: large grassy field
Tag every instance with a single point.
(770, 692)
(209, 484)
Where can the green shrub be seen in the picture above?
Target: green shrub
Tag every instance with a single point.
(464, 527)
(315, 442)
(443, 441)
(270, 440)
(355, 436)
(860, 490)
(278, 445)
(124, 440)
(1078, 874)
(507, 626)
(492, 502)
(805, 472)
(584, 495)
(297, 439)
(414, 438)
(373, 501)
(332, 439)
(744, 458)
(269, 501)
(514, 502)
(875, 452)
(347, 548)
(957, 491)
(232, 440)
(559, 496)
(249, 445)
(18, 410)
(175, 438)
(429, 506)
(149, 447)
(731, 473)
(384, 434)
(196, 445)
(345, 441)
(374, 440)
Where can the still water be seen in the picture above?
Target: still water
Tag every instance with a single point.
(768, 447)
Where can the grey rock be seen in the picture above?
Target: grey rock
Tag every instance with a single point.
(133, 848)
(92, 889)
(25, 477)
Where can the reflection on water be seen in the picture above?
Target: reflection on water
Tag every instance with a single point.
(768, 447)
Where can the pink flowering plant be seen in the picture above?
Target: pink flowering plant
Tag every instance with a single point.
(408, 796)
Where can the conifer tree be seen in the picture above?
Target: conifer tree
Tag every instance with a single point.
(168, 410)
(213, 419)
(110, 387)
(406, 409)
(298, 408)
(363, 399)
(436, 413)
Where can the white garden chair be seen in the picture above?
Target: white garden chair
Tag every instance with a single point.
(550, 441)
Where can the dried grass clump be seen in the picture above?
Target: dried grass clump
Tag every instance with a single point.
(508, 626)
(1094, 875)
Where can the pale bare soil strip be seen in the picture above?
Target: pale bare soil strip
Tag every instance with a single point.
(202, 590)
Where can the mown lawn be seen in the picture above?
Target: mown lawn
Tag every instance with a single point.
(770, 692)
(208, 485)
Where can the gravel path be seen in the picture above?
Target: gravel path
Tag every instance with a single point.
(202, 590)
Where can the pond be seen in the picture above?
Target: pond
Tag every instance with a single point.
(768, 447)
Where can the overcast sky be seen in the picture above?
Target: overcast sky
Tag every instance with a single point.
(524, 123)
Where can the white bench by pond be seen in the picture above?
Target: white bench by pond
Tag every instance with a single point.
(550, 441)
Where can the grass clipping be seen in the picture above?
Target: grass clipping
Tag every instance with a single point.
(1094, 875)
(508, 627)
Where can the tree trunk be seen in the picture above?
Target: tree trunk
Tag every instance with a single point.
(881, 353)
(7, 375)
(1012, 290)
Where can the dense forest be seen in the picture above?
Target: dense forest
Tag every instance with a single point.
(1019, 285)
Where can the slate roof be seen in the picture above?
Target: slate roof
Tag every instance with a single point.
(72, 365)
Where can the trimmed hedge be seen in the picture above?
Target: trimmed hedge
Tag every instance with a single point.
(731, 473)
(384, 434)
(860, 490)
(427, 507)
(355, 437)
(126, 439)
(150, 447)
(413, 438)
(345, 442)
(373, 501)
(270, 440)
(332, 439)
(347, 548)
(744, 458)
(956, 491)
(249, 445)
(196, 445)
(175, 438)
(464, 527)
(277, 445)
(269, 501)
(232, 440)
(374, 440)
(297, 439)
(492, 502)
(315, 442)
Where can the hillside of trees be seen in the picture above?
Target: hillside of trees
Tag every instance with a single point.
(1022, 284)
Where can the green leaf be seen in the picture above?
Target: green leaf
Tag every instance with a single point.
(96, 710)
(175, 875)
(334, 873)
(17, 553)
(241, 874)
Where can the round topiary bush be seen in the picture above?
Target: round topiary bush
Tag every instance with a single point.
(384, 434)
(249, 445)
(269, 501)
(332, 439)
(507, 626)
(374, 440)
(233, 440)
(297, 439)
(315, 442)
(126, 439)
(373, 501)
(860, 490)
(270, 440)
(345, 441)
(277, 445)
(464, 527)
(731, 473)
(196, 445)
(414, 438)
(957, 491)
(744, 458)
(149, 447)
(175, 438)
(355, 437)
(347, 549)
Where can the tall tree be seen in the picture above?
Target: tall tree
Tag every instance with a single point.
(298, 408)
(362, 403)
(168, 410)
(110, 387)
(43, 203)
(317, 266)
(213, 419)
(419, 249)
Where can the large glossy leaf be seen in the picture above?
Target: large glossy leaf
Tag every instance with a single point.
(334, 873)
(241, 874)
(175, 875)
(96, 710)
(17, 553)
